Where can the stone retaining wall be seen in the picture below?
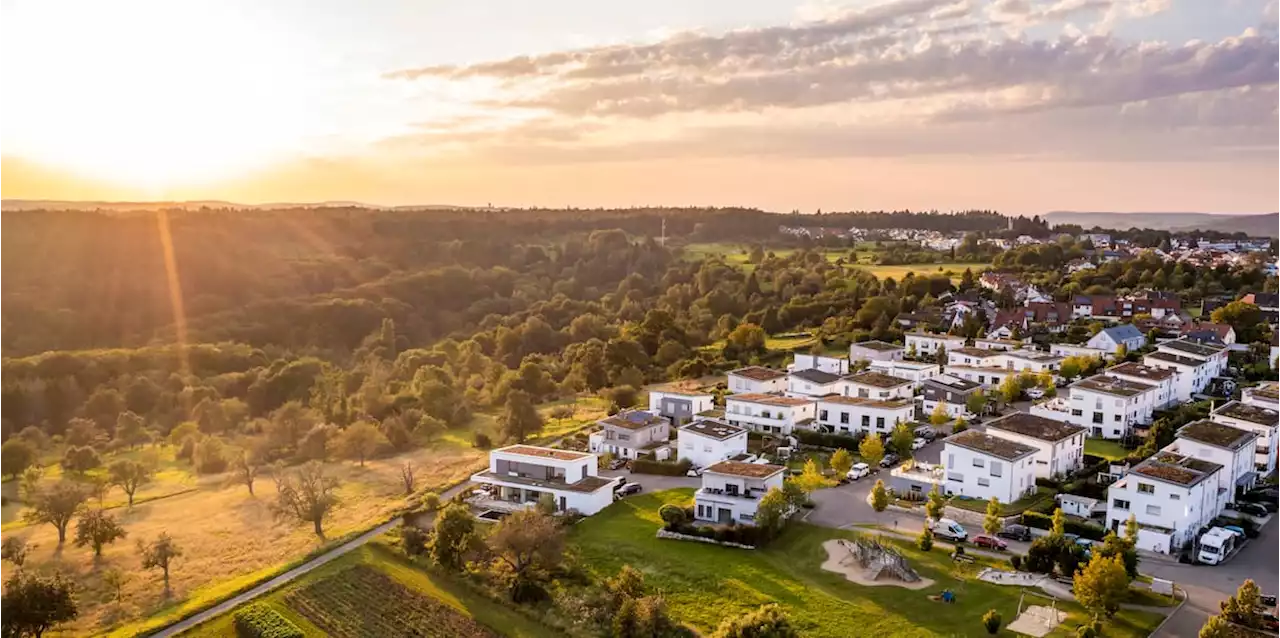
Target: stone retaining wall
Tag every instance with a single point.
(662, 533)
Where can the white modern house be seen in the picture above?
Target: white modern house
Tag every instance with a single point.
(1110, 406)
(1232, 448)
(846, 415)
(996, 343)
(1195, 364)
(706, 442)
(876, 385)
(1059, 445)
(1257, 419)
(769, 413)
(950, 391)
(980, 465)
(975, 358)
(875, 351)
(678, 406)
(1070, 350)
(1110, 339)
(1082, 506)
(834, 365)
(1161, 378)
(1171, 496)
(812, 382)
(913, 371)
(632, 434)
(731, 491)
(926, 345)
(519, 475)
(1264, 395)
(757, 379)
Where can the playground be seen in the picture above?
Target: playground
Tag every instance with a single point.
(870, 563)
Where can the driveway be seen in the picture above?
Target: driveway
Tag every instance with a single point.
(654, 482)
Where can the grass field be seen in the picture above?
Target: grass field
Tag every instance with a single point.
(900, 271)
(1006, 509)
(704, 584)
(374, 591)
(232, 539)
(736, 254)
(1106, 449)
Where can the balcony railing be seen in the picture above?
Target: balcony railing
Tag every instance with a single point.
(750, 495)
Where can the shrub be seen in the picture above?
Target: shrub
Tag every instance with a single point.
(991, 620)
(1015, 562)
(260, 621)
(925, 542)
(665, 468)
(1084, 530)
(832, 441)
(481, 441)
(672, 515)
(413, 540)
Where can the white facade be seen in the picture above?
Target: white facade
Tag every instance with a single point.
(834, 365)
(1196, 364)
(927, 344)
(680, 407)
(1264, 395)
(1163, 380)
(813, 383)
(972, 469)
(876, 385)
(520, 474)
(1257, 419)
(875, 351)
(632, 434)
(1069, 350)
(975, 358)
(1032, 361)
(1110, 339)
(1230, 447)
(997, 344)
(986, 377)
(731, 491)
(770, 414)
(1059, 446)
(756, 379)
(1109, 406)
(913, 371)
(708, 442)
(1170, 496)
(846, 415)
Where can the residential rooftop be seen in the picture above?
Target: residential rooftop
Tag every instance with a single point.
(543, 452)
(768, 399)
(866, 402)
(935, 335)
(1176, 469)
(977, 352)
(1251, 413)
(633, 420)
(1174, 358)
(1033, 355)
(877, 379)
(1268, 390)
(758, 373)
(1134, 369)
(1036, 427)
(586, 484)
(749, 470)
(954, 383)
(987, 444)
(681, 392)
(1217, 434)
(1192, 347)
(910, 365)
(1114, 386)
(814, 375)
(879, 346)
(713, 429)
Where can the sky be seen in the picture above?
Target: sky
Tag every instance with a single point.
(1022, 106)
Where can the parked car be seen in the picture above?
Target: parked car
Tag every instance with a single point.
(1015, 532)
(617, 463)
(627, 490)
(926, 432)
(858, 471)
(1035, 393)
(1268, 600)
(991, 542)
(1252, 509)
(1087, 545)
(918, 443)
(889, 460)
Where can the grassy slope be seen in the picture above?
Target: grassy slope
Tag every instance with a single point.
(415, 577)
(736, 255)
(704, 584)
(1105, 449)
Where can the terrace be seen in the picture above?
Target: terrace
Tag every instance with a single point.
(1216, 434)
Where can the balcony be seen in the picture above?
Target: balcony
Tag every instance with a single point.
(749, 495)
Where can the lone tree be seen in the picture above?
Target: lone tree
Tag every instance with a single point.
(1059, 523)
(841, 462)
(360, 440)
(1102, 585)
(160, 553)
(520, 418)
(16, 455)
(976, 403)
(766, 622)
(246, 466)
(992, 523)
(1242, 608)
(97, 529)
(129, 475)
(771, 513)
(925, 540)
(452, 536)
(934, 507)
(56, 505)
(991, 621)
(407, 478)
(115, 580)
(871, 449)
(901, 440)
(811, 477)
(879, 496)
(306, 495)
(33, 604)
(939, 415)
(14, 549)
(531, 545)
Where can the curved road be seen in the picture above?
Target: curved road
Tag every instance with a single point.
(289, 576)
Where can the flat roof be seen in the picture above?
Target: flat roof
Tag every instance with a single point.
(1175, 358)
(866, 402)
(1036, 427)
(977, 352)
(1268, 390)
(815, 375)
(1033, 355)
(586, 484)
(910, 365)
(749, 470)
(758, 373)
(1176, 469)
(1251, 413)
(1114, 386)
(1217, 434)
(877, 379)
(1193, 347)
(876, 344)
(1134, 369)
(713, 429)
(633, 420)
(934, 335)
(992, 445)
(768, 399)
(543, 452)
(955, 383)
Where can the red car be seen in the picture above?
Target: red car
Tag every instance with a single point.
(991, 542)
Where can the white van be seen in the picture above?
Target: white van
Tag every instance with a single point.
(1216, 545)
(949, 530)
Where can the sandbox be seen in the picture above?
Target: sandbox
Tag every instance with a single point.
(839, 561)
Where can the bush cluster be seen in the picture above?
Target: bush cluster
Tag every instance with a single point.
(260, 621)
(665, 468)
(1044, 521)
(741, 534)
(833, 441)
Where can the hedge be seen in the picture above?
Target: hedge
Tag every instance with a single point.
(820, 439)
(260, 621)
(1045, 521)
(665, 468)
(741, 534)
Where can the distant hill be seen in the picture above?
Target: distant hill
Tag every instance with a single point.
(1255, 225)
(59, 204)
(1262, 225)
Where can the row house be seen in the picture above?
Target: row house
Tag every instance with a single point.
(1154, 303)
(926, 345)
(1209, 332)
(914, 371)
(1195, 364)
(993, 343)
(846, 415)
(1261, 420)
(1071, 350)
(1162, 379)
(1171, 497)
(757, 379)
(875, 351)
(1049, 315)
(1059, 445)
(1109, 407)
(519, 475)
(768, 413)
(950, 391)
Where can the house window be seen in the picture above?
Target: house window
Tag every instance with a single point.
(844, 417)
(984, 482)
(879, 423)
(706, 448)
(979, 463)
(951, 460)
(1146, 488)
(1120, 504)
(624, 437)
(688, 445)
(1097, 417)
(1175, 497)
(1153, 510)
(982, 379)
(1077, 413)
(822, 415)
(866, 421)
(997, 468)
(1117, 417)
(955, 477)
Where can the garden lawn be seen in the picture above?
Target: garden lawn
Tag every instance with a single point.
(1109, 450)
(704, 584)
(1006, 509)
